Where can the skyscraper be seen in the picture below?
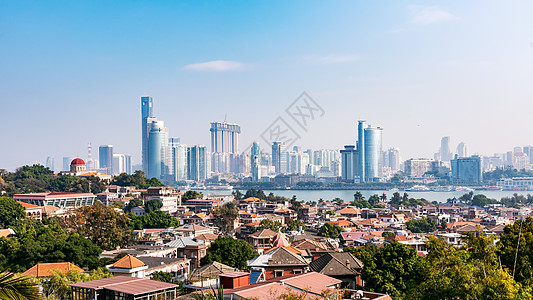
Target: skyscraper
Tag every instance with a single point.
(146, 113)
(467, 169)
(349, 163)
(394, 159)
(369, 151)
(197, 163)
(178, 159)
(50, 164)
(445, 153)
(121, 164)
(157, 150)
(255, 161)
(66, 163)
(225, 137)
(105, 154)
(279, 160)
(462, 150)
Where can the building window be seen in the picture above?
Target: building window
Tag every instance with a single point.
(278, 273)
(297, 271)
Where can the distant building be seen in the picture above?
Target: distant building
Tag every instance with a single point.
(178, 160)
(197, 163)
(369, 151)
(50, 164)
(121, 164)
(106, 159)
(147, 104)
(279, 159)
(157, 150)
(445, 153)
(467, 169)
(255, 161)
(415, 168)
(349, 163)
(462, 150)
(225, 137)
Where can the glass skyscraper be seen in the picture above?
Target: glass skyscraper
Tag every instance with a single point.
(157, 150)
(106, 159)
(178, 159)
(146, 113)
(197, 163)
(279, 158)
(224, 137)
(255, 161)
(369, 151)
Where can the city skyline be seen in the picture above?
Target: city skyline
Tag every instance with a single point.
(422, 72)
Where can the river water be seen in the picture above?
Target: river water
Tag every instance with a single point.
(347, 195)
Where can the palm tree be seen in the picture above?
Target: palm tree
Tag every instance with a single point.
(17, 288)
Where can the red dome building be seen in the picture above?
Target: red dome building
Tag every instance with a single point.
(77, 165)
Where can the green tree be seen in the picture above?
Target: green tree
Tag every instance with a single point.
(103, 225)
(191, 195)
(225, 216)
(57, 286)
(255, 193)
(155, 219)
(396, 199)
(272, 225)
(295, 225)
(518, 236)
(329, 230)
(163, 276)
(374, 199)
(394, 269)
(358, 196)
(237, 195)
(10, 212)
(229, 251)
(153, 205)
(17, 288)
(421, 225)
(132, 204)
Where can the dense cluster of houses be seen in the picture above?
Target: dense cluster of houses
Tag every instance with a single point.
(297, 258)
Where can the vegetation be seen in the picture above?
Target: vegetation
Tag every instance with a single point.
(255, 193)
(132, 204)
(35, 242)
(294, 225)
(137, 179)
(421, 225)
(154, 219)
(272, 225)
(17, 288)
(57, 285)
(10, 212)
(37, 178)
(153, 205)
(329, 230)
(191, 195)
(102, 225)
(225, 216)
(229, 251)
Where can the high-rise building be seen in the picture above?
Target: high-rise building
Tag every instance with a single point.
(393, 157)
(255, 161)
(349, 163)
(445, 153)
(462, 150)
(178, 160)
(121, 164)
(416, 168)
(225, 137)
(147, 112)
(279, 159)
(467, 169)
(197, 163)
(105, 154)
(528, 150)
(66, 163)
(369, 151)
(157, 150)
(50, 164)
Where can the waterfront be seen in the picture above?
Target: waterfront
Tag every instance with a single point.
(347, 195)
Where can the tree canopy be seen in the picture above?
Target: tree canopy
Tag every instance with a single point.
(10, 212)
(421, 225)
(154, 219)
(329, 230)
(229, 251)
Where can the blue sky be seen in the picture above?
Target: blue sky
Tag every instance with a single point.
(72, 72)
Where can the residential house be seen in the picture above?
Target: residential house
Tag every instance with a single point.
(279, 262)
(343, 266)
(123, 287)
(261, 239)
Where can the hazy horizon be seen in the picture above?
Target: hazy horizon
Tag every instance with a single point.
(74, 72)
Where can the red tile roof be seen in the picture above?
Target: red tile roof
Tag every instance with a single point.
(45, 269)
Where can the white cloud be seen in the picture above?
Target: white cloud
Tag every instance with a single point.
(218, 66)
(426, 15)
(333, 59)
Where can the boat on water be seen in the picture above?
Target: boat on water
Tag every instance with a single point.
(219, 187)
(418, 188)
(463, 189)
(442, 189)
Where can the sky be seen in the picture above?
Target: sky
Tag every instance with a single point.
(73, 72)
